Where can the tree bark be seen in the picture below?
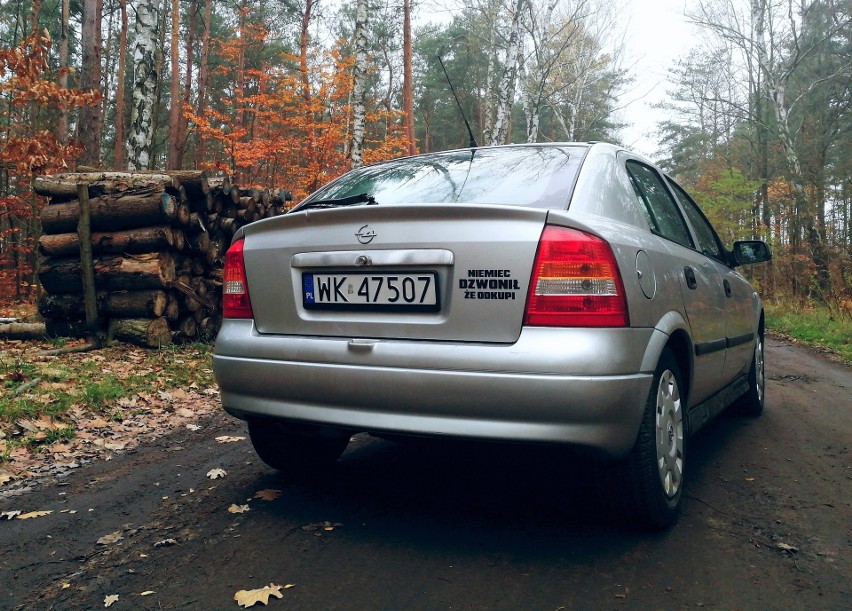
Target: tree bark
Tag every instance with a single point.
(144, 87)
(173, 159)
(145, 332)
(507, 82)
(63, 69)
(118, 146)
(126, 304)
(90, 119)
(113, 212)
(359, 92)
(23, 330)
(87, 275)
(153, 271)
(203, 70)
(131, 241)
(407, 78)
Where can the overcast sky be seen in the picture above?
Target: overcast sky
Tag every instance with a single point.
(657, 34)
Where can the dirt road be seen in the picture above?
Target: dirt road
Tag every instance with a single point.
(766, 524)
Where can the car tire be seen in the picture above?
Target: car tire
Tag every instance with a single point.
(751, 403)
(296, 450)
(645, 489)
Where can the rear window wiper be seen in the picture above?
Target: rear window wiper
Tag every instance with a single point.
(361, 198)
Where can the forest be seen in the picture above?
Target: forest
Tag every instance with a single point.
(288, 94)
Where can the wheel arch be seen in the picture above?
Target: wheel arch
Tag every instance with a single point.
(672, 332)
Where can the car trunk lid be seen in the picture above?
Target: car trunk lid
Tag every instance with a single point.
(443, 272)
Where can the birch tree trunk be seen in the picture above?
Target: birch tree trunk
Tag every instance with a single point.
(505, 91)
(144, 86)
(359, 92)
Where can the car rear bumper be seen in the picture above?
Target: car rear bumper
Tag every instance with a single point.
(552, 386)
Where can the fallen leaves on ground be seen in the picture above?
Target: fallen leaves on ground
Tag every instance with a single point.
(166, 543)
(216, 473)
(9, 514)
(5, 477)
(147, 593)
(229, 439)
(110, 600)
(110, 538)
(238, 509)
(249, 598)
(318, 527)
(34, 514)
(269, 494)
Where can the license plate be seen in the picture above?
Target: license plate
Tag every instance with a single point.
(415, 291)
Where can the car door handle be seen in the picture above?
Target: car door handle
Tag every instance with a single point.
(689, 273)
(728, 291)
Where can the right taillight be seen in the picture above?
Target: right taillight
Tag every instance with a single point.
(575, 282)
(235, 295)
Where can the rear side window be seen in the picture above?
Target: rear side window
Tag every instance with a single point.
(666, 218)
(709, 242)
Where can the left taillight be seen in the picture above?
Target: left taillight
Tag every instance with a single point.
(235, 294)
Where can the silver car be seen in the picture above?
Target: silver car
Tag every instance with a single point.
(566, 294)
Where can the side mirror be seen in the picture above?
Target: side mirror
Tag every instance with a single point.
(747, 252)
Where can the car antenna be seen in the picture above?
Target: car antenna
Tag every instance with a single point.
(472, 143)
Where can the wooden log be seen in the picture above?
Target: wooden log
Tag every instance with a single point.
(59, 190)
(126, 304)
(229, 225)
(248, 204)
(172, 312)
(113, 212)
(152, 271)
(23, 330)
(87, 267)
(200, 242)
(145, 332)
(179, 240)
(59, 185)
(186, 328)
(133, 241)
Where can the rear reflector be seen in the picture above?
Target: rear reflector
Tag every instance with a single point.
(235, 295)
(575, 282)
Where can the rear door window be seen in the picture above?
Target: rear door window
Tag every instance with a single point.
(709, 242)
(666, 218)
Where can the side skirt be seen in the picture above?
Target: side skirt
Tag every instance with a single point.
(704, 412)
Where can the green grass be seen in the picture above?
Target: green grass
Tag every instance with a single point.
(31, 387)
(812, 325)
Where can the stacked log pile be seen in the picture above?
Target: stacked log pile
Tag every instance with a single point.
(158, 241)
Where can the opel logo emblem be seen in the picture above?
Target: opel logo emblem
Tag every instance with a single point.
(365, 234)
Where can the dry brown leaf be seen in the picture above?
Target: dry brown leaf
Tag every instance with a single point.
(166, 543)
(147, 593)
(216, 473)
(34, 514)
(228, 439)
(5, 477)
(249, 598)
(110, 600)
(110, 538)
(238, 508)
(269, 494)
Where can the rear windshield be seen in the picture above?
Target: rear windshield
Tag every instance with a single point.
(533, 176)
